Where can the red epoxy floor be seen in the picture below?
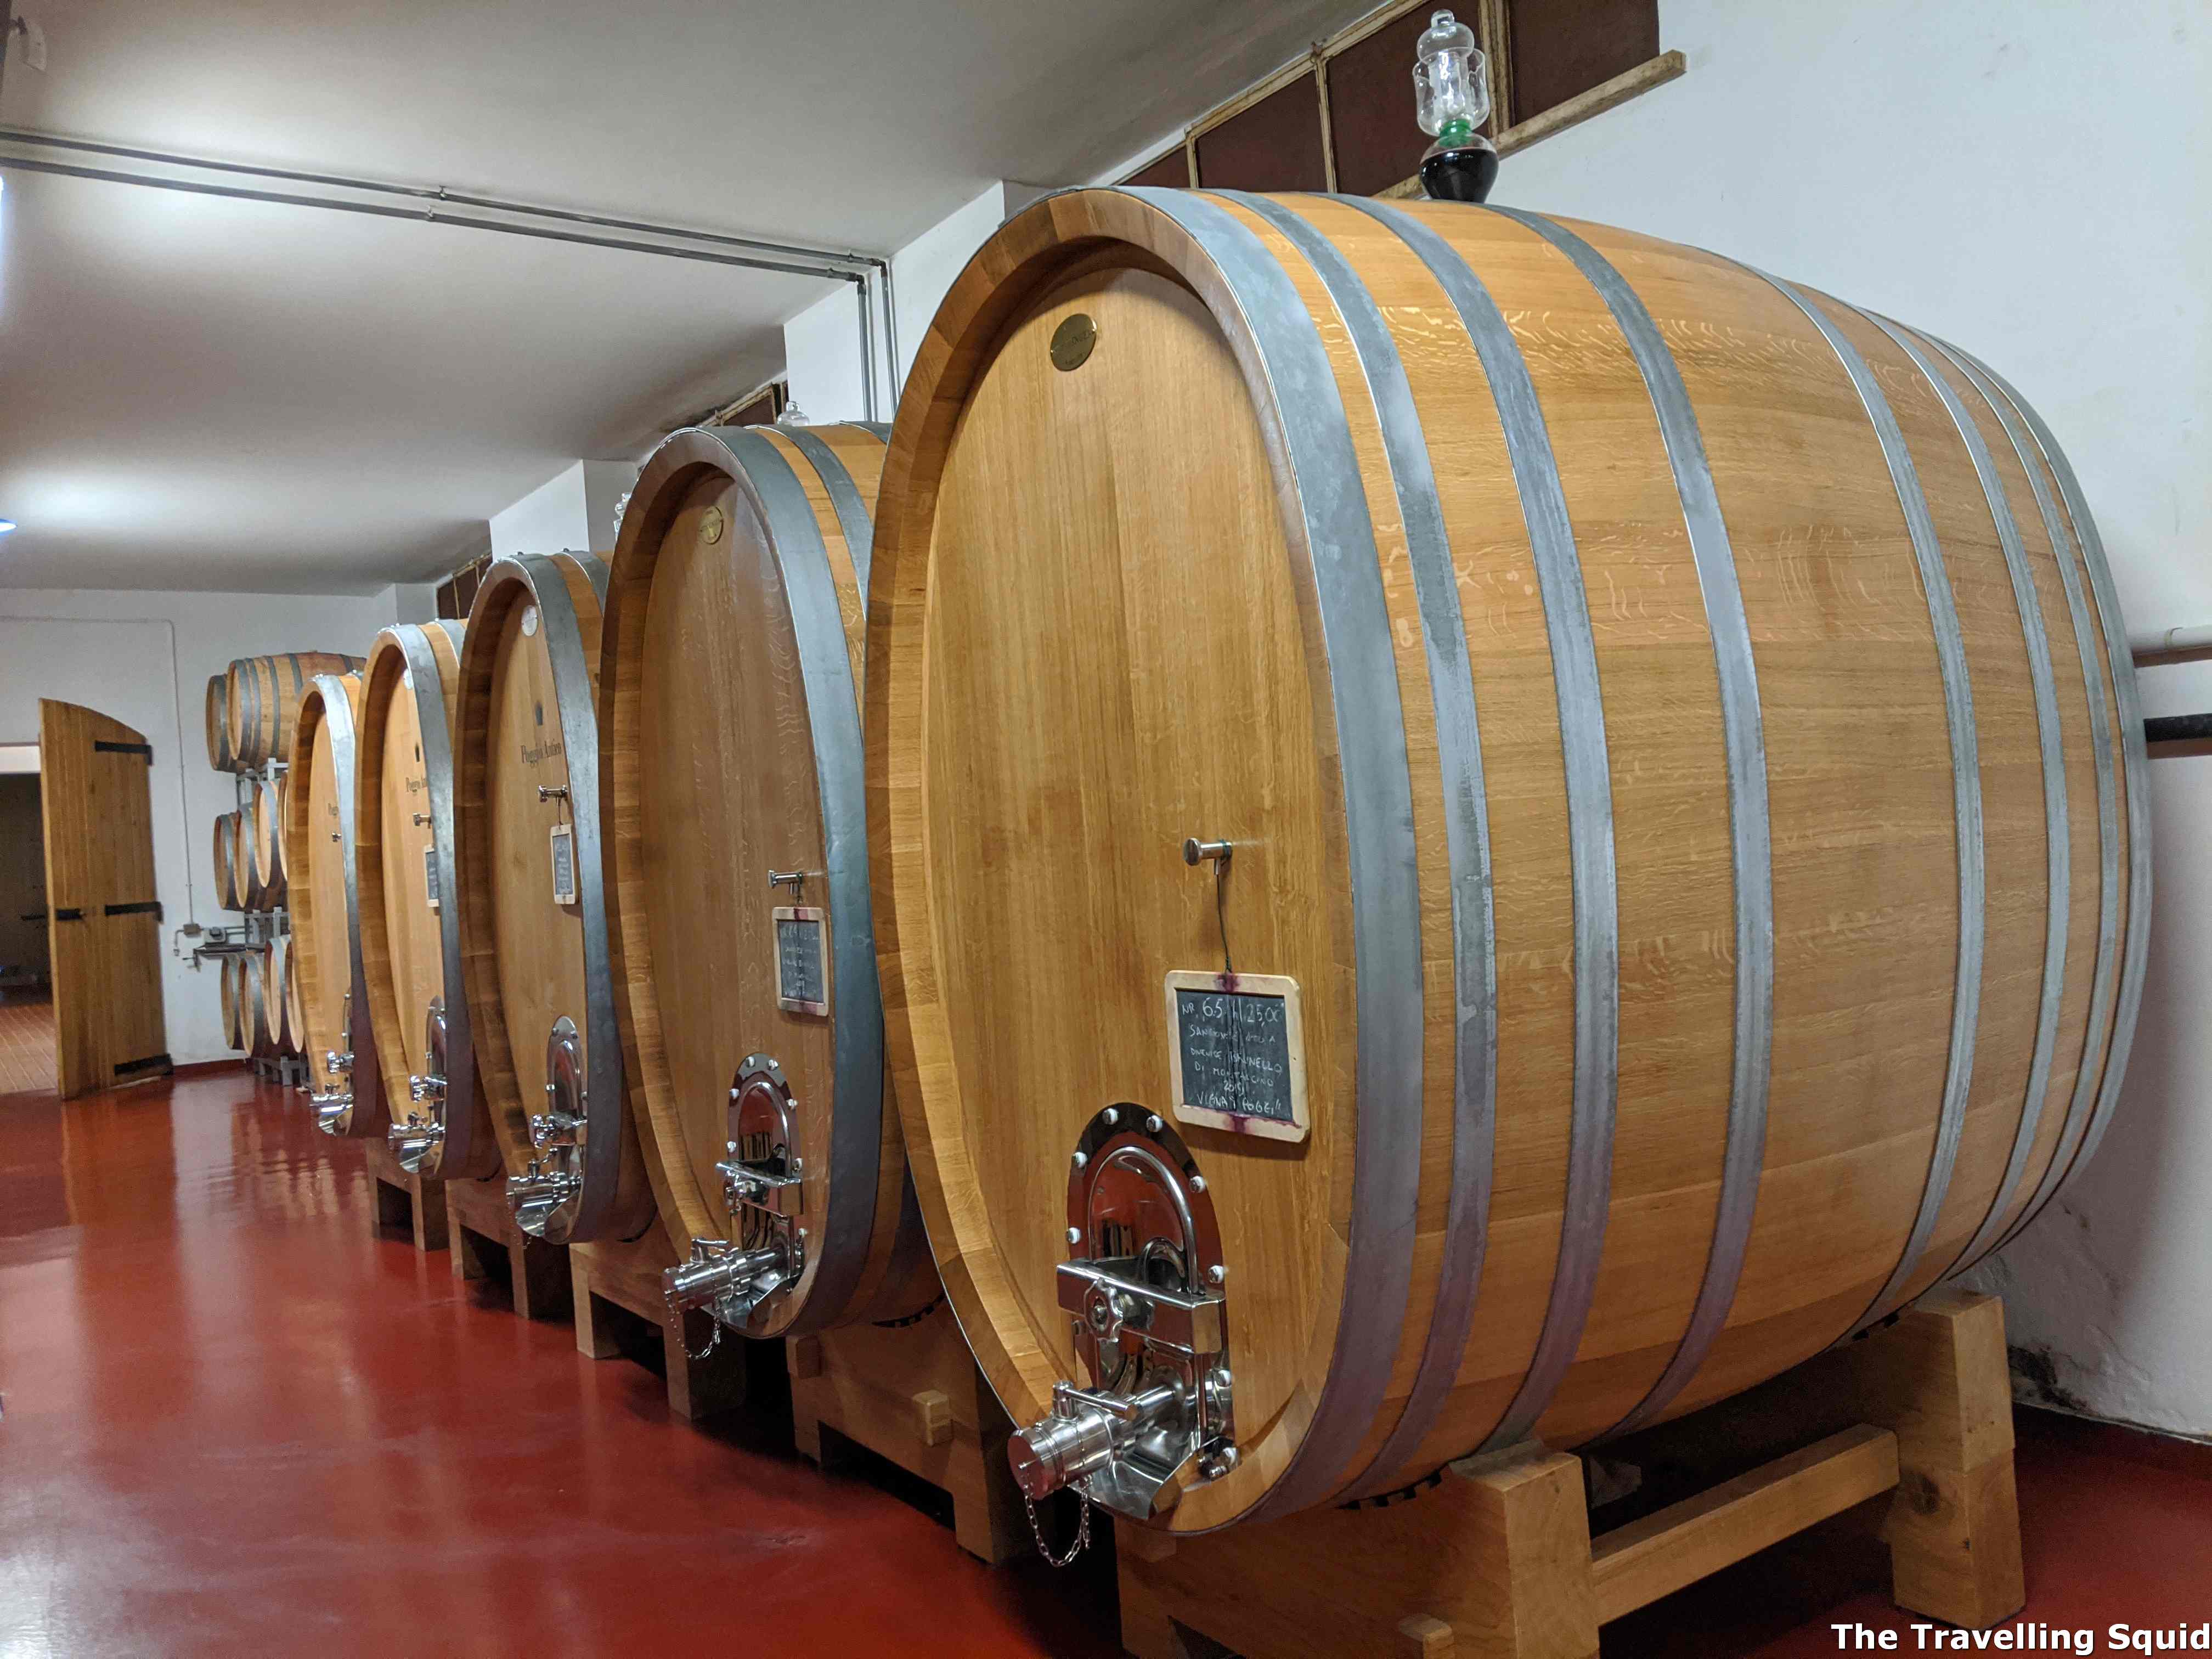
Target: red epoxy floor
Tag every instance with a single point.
(237, 1422)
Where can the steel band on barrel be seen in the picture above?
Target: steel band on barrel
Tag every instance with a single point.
(1326, 516)
(1965, 785)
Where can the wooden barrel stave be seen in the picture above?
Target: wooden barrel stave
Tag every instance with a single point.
(403, 839)
(1760, 392)
(527, 761)
(732, 629)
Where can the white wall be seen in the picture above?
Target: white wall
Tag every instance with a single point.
(2032, 182)
(821, 344)
(145, 658)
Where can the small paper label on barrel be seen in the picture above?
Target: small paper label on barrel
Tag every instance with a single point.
(1238, 1052)
(430, 874)
(802, 968)
(564, 864)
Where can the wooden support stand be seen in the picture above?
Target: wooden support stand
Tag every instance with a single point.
(614, 1279)
(407, 1200)
(483, 1228)
(1498, 1560)
(912, 1393)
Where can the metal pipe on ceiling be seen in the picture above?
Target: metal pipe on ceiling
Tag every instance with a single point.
(870, 274)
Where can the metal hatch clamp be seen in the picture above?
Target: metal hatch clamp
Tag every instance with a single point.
(1152, 1328)
(332, 1104)
(414, 1142)
(763, 1188)
(544, 1195)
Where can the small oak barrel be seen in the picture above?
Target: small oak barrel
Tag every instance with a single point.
(277, 990)
(233, 999)
(534, 953)
(319, 852)
(217, 721)
(228, 887)
(264, 694)
(729, 674)
(1686, 871)
(408, 900)
(249, 873)
(266, 826)
(296, 1013)
(258, 1016)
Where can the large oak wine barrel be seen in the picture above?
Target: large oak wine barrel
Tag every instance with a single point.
(229, 885)
(264, 694)
(216, 717)
(534, 952)
(729, 675)
(320, 828)
(1678, 753)
(411, 938)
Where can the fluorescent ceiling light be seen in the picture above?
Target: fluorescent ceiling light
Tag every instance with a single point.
(6, 524)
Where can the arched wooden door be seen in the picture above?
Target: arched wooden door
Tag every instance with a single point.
(103, 921)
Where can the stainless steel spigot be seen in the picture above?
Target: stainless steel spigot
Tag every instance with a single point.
(725, 1280)
(535, 1193)
(426, 1087)
(1150, 1319)
(413, 1142)
(331, 1109)
(548, 1197)
(1072, 1440)
(335, 1063)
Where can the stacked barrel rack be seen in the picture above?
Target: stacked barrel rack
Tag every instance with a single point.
(1534, 937)
(249, 713)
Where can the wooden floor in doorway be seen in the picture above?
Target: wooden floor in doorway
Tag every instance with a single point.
(26, 1042)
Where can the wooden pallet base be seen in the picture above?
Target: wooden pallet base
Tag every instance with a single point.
(614, 1281)
(407, 1200)
(483, 1231)
(912, 1393)
(1498, 1559)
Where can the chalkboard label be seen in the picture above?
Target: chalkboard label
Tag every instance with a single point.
(564, 864)
(802, 971)
(1238, 1052)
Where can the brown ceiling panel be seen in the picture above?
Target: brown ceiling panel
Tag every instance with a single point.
(1565, 47)
(1172, 168)
(1273, 145)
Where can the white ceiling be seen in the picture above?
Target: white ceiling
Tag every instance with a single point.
(204, 394)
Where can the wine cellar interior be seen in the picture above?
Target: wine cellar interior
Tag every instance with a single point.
(1283, 830)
